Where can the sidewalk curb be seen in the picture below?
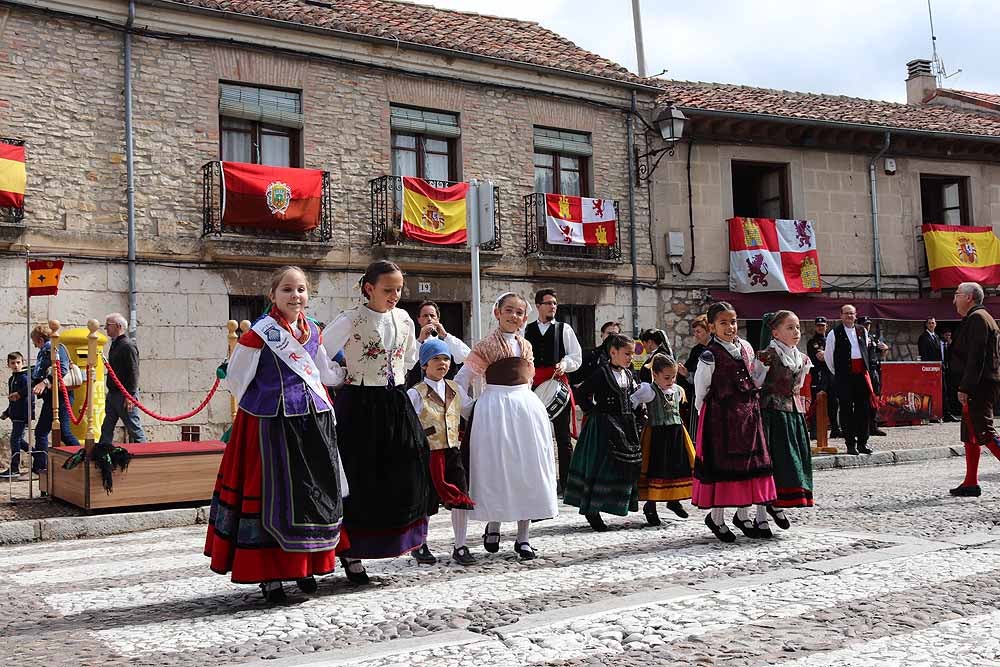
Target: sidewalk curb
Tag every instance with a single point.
(104, 525)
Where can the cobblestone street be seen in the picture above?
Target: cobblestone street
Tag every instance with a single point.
(887, 569)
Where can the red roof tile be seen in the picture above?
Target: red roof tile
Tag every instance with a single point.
(829, 108)
(478, 34)
(985, 100)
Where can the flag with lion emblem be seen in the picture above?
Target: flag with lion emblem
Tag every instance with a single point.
(958, 254)
(767, 255)
(582, 221)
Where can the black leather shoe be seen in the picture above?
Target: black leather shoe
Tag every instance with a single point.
(273, 592)
(462, 556)
(424, 556)
(935, 421)
(746, 527)
(491, 541)
(966, 491)
(853, 451)
(355, 571)
(652, 518)
(779, 517)
(721, 532)
(307, 585)
(949, 418)
(596, 522)
(763, 531)
(524, 550)
(678, 509)
(864, 449)
(878, 431)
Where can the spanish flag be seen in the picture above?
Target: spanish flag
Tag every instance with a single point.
(43, 277)
(13, 177)
(958, 254)
(434, 215)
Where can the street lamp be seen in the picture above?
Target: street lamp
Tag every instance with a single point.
(670, 128)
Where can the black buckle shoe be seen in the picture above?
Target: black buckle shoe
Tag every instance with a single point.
(678, 509)
(524, 550)
(779, 517)
(966, 491)
(423, 555)
(490, 545)
(307, 585)
(652, 518)
(355, 571)
(762, 530)
(722, 533)
(273, 592)
(745, 526)
(596, 522)
(463, 556)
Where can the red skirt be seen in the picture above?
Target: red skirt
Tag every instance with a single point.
(237, 542)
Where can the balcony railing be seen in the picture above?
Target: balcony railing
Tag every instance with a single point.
(387, 213)
(535, 242)
(212, 194)
(12, 215)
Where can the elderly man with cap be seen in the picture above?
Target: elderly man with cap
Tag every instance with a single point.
(876, 352)
(821, 379)
(847, 358)
(975, 370)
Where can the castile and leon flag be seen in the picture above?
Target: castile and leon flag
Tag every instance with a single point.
(280, 198)
(958, 254)
(582, 221)
(767, 255)
(434, 215)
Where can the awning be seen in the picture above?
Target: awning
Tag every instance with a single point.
(753, 306)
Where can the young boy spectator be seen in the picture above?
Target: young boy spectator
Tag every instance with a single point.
(19, 394)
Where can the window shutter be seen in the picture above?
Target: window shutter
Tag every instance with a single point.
(431, 123)
(266, 106)
(566, 143)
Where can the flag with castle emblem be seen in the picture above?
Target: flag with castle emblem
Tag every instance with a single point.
(281, 198)
(767, 255)
(43, 276)
(958, 254)
(434, 215)
(583, 221)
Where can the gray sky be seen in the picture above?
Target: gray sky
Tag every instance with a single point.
(847, 47)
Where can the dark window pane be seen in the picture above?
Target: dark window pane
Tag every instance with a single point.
(569, 163)
(237, 146)
(543, 179)
(275, 150)
(569, 183)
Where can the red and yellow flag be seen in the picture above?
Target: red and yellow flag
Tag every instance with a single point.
(434, 215)
(13, 177)
(43, 277)
(957, 254)
(281, 198)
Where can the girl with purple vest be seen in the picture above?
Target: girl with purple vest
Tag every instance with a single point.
(732, 466)
(277, 508)
(384, 449)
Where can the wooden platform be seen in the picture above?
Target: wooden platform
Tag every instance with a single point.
(160, 473)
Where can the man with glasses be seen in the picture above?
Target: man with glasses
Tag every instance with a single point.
(429, 326)
(557, 352)
(846, 357)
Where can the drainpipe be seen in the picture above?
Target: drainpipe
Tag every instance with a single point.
(130, 170)
(630, 140)
(876, 246)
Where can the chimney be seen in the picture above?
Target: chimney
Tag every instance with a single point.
(920, 81)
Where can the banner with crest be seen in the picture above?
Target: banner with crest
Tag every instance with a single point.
(582, 221)
(767, 255)
(281, 198)
(434, 215)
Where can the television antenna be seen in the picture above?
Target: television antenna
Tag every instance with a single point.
(939, 70)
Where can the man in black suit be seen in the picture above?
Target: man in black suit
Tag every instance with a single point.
(931, 348)
(952, 408)
(123, 357)
(847, 359)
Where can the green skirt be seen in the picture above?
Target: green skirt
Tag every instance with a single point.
(788, 441)
(595, 483)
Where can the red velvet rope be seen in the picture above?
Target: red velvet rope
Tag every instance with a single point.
(65, 392)
(132, 399)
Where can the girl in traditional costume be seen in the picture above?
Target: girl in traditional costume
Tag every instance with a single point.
(732, 466)
(667, 451)
(512, 472)
(604, 471)
(441, 404)
(277, 508)
(382, 444)
(781, 372)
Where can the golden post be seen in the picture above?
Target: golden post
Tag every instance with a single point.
(54, 355)
(232, 326)
(92, 432)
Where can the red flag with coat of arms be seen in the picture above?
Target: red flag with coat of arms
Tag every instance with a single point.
(282, 198)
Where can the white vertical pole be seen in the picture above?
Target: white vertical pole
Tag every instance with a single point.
(640, 49)
(472, 229)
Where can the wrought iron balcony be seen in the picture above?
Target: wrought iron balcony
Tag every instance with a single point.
(387, 213)
(535, 242)
(213, 194)
(12, 215)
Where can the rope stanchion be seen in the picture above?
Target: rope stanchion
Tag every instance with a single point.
(65, 393)
(132, 399)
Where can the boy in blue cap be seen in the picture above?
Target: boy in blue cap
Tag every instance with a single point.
(441, 404)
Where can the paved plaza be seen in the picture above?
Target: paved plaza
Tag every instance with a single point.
(887, 569)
